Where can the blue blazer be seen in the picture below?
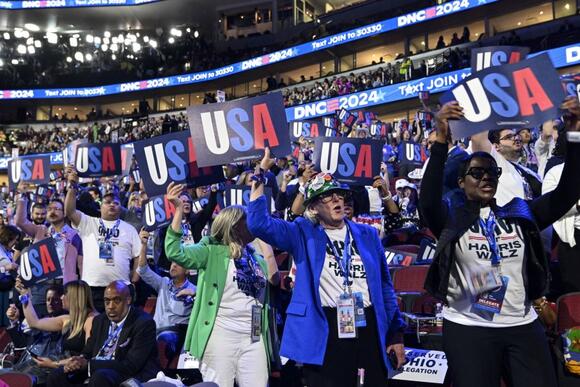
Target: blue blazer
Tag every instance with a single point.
(306, 330)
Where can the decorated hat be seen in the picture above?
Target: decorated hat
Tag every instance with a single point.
(320, 184)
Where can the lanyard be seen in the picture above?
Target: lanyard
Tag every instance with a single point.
(111, 232)
(345, 262)
(57, 236)
(257, 282)
(112, 339)
(488, 229)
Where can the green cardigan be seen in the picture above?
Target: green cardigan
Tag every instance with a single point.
(211, 259)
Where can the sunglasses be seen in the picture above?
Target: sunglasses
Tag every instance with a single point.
(478, 172)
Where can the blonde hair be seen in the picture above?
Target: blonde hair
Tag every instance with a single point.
(80, 300)
(222, 229)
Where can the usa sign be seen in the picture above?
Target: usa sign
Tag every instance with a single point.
(239, 130)
(32, 169)
(39, 262)
(240, 195)
(157, 212)
(350, 160)
(307, 129)
(96, 160)
(172, 157)
(507, 96)
(485, 57)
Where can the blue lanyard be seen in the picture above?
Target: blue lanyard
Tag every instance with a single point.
(111, 232)
(112, 339)
(345, 262)
(488, 230)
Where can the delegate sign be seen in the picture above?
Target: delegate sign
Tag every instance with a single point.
(239, 130)
(427, 366)
(31, 169)
(172, 157)
(485, 57)
(96, 160)
(350, 160)
(507, 96)
(39, 262)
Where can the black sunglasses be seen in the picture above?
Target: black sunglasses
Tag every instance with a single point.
(478, 172)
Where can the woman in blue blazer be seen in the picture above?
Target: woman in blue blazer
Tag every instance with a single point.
(323, 294)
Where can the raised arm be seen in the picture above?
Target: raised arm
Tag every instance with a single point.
(48, 324)
(152, 279)
(70, 201)
(20, 218)
(270, 258)
(431, 198)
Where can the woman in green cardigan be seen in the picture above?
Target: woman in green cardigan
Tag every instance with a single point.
(228, 328)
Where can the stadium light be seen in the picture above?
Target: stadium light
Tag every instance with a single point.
(52, 38)
(90, 38)
(171, 40)
(32, 27)
(196, 34)
(89, 57)
(114, 47)
(79, 56)
(37, 43)
(97, 40)
(107, 34)
(14, 62)
(68, 59)
(31, 49)
(114, 57)
(21, 49)
(146, 39)
(153, 43)
(6, 35)
(136, 47)
(104, 47)
(73, 42)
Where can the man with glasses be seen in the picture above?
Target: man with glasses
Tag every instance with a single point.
(69, 246)
(505, 146)
(110, 244)
(121, 346)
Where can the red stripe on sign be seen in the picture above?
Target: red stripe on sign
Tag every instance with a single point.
(6, 94)
(143, 84)
(265, 59)
(431, 12)
(332, 105)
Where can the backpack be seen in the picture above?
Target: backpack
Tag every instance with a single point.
(571, 350)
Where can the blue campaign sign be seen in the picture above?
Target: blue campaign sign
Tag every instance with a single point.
(571, 84)
(306, 129)
(31, 169)
(172, 157)
(96, 160)
(157, 212)
(240, 195)
(484, 57)
(32, 4)
(263, 60)
(39, 263)
(239, 130)
(350, 160)
(520, 95)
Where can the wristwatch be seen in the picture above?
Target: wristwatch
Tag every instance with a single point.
(24, 298)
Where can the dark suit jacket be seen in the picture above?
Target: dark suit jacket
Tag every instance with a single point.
(136, 354)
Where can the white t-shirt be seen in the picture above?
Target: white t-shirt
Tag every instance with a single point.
(331, 278)
(511, 182)
(126, 245)
(472, 253)
(235, 309)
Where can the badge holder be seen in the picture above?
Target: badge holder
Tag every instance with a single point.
(359, 308)
(106, 251)
(492, 301)
(485, 280)
(345, 316)
(256, 323)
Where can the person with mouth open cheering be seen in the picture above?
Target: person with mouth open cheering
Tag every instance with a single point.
(343, 315)
(490, 265)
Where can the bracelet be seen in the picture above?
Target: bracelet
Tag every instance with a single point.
(24, 298)
(259, 178)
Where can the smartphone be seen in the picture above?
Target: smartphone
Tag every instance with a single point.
(33, 355)
(393, 360)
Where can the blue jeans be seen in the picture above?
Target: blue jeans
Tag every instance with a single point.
(173, 337)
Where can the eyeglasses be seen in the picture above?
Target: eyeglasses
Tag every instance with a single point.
(328, 197)
(54, 209)
(114, 300)
(478, 172)
(511, 137)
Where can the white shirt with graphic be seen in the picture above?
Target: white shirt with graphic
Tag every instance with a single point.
(235, 309)
(332, 280)
(126, 245)
(472, 253)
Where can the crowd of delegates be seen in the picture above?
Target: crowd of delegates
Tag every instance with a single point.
(220, 295)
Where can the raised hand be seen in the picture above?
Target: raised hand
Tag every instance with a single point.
(451, 110)
(267, 161)
(572, 118)
(173, 192)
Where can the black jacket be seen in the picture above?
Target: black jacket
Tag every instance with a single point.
(136, 354)
(450, 219)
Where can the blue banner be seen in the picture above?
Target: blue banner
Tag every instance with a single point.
(260, 61)
(239, 130)
(32, 4)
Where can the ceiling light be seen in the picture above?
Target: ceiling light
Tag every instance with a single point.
(73, 42)
(188, 30)
(132, 38)
(25, 34)
(29, 41)
(114, 40)
(21, 49)
(567, 6)
(52, 37)
(196, 34)
(17, 33)
(68, 59)
(176, 32)
(32, 27)
(519, 23)
(127, 42)
(153, 43)
(120, 37)
(1, 63)
(104, 47)
(171, 40)
(79, 56)
(146, 38)
(97, 40)
(107, 34)
(31, 50)
(90, 38)
(113, 57)
(114, 47)
(6, 36)
(136, 47)
(541, 12)
(89, 57)
(37, 43)
(14, 62)
(106, 41)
